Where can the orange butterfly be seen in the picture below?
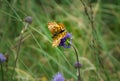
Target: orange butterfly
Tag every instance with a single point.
(58, 32)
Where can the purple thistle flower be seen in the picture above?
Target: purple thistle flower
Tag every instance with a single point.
(66, 41)
(58, 77)
(2, 58)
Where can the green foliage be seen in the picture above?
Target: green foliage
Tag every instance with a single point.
(39, 61)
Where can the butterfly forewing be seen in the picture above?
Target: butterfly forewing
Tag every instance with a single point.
(55, 28)
(58, 32)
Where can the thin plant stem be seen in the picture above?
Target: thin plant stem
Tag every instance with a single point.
(23, 30)
(2, 72)
(77, 59)
(91, 19)
(94, 33)
(86, 10)
(18, 50)
(102, 66)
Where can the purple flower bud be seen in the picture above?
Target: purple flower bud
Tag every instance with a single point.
(28, 19)
(58, 77)
(78, 65)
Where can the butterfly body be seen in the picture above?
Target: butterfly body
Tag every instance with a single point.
(58, 32)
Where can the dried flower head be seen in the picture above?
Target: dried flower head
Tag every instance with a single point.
(28, 19)
(58, 77)
(2, 58)
(66, 41)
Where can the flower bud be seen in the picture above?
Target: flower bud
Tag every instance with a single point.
(78, 65)
(28, 19)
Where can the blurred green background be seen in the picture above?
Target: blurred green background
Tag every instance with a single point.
(39, 61)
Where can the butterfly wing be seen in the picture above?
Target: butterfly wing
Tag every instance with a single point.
(55, 28)
(57, 39)
(57, 31)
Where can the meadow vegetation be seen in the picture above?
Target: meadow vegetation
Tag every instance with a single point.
(98, 46)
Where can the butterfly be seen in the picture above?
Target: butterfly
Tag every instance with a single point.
(58, 32)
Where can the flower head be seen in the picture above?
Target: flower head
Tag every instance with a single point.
(28, 19)
(58, 77)
(66, 41)
(77, 65)
(2, 58)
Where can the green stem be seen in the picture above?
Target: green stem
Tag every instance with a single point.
(77, 59)
(18, 50)
(91, 19)
(85, 9)
(2, 72)
(102, 66)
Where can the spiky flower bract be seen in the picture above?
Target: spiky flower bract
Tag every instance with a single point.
(58, 77)
(66, 41)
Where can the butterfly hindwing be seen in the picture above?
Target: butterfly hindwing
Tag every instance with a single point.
(57, 39)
